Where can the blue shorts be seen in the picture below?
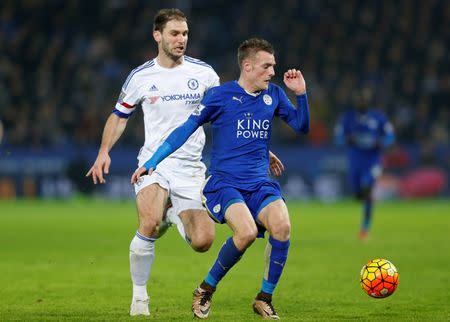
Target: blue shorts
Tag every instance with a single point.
(363, 176)
(218, 195)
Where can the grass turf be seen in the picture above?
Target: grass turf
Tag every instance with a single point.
(68, 261)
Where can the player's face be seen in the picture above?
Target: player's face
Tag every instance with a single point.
(262, 70)
(173, 39)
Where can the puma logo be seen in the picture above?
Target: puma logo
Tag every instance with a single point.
(234, 98)
(278, 263)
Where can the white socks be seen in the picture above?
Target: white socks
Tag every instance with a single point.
(142, 254)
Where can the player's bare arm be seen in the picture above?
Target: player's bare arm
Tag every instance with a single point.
(293, 79)
(114, 128)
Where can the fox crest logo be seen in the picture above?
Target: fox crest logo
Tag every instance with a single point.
(216, 208)
(267, 99)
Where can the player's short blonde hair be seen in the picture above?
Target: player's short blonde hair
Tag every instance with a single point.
(251, 46)
(165, 15)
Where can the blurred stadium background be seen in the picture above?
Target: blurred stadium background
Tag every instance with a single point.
(62, 65)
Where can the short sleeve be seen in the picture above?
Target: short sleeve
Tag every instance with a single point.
(128, 99)
(215, 80)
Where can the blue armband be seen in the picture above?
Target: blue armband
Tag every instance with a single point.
(174, 141)
(163, 151)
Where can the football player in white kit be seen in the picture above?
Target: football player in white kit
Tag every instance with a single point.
(168, 88)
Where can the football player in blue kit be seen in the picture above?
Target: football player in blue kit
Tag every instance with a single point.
(239, 191)
(366, 132)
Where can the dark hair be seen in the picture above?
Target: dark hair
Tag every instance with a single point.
(251, 46)
(165, 15)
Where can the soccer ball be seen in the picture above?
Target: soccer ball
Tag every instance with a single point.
(379, 278)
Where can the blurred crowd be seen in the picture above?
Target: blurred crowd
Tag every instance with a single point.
(63, 62)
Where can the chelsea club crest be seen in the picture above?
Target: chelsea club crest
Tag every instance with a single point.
(193, 84)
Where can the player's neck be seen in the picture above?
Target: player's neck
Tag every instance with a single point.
(167, 62)
(247, 86)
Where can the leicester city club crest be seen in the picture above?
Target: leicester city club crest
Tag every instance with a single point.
(216, 208)
(267, 99)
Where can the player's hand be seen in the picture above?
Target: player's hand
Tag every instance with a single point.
(293, 79)
(100, 167)
(275, 165)
(138, 173)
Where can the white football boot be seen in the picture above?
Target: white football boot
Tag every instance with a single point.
(139, 307)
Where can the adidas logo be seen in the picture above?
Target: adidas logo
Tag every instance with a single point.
(153, 88)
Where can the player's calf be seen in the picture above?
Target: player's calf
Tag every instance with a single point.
(199, 229)
(202, 240)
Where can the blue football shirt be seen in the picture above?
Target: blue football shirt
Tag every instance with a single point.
(368, 132)
(241, 124)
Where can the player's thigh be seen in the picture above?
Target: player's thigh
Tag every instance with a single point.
(197, 223)
(275, 218)
(151, 201)
(217, 197)
(240, 220)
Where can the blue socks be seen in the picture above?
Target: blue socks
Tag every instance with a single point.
(367, 215)
(276, 256)
(228, 256)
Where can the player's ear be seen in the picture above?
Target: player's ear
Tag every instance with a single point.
(246, 65)
(157, 35)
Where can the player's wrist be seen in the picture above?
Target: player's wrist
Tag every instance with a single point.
(103, 150)
(150, 164)
(302, 100)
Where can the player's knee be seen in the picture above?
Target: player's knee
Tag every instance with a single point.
(149, 226)
(246, 237)
(201, 243)
(281, 231)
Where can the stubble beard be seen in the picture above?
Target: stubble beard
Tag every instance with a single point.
(169, 54)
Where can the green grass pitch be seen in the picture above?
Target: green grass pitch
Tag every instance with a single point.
(68, 261)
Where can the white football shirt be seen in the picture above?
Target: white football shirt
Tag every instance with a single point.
(167, 96)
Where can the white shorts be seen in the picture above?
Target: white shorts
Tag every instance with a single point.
(183, 180)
